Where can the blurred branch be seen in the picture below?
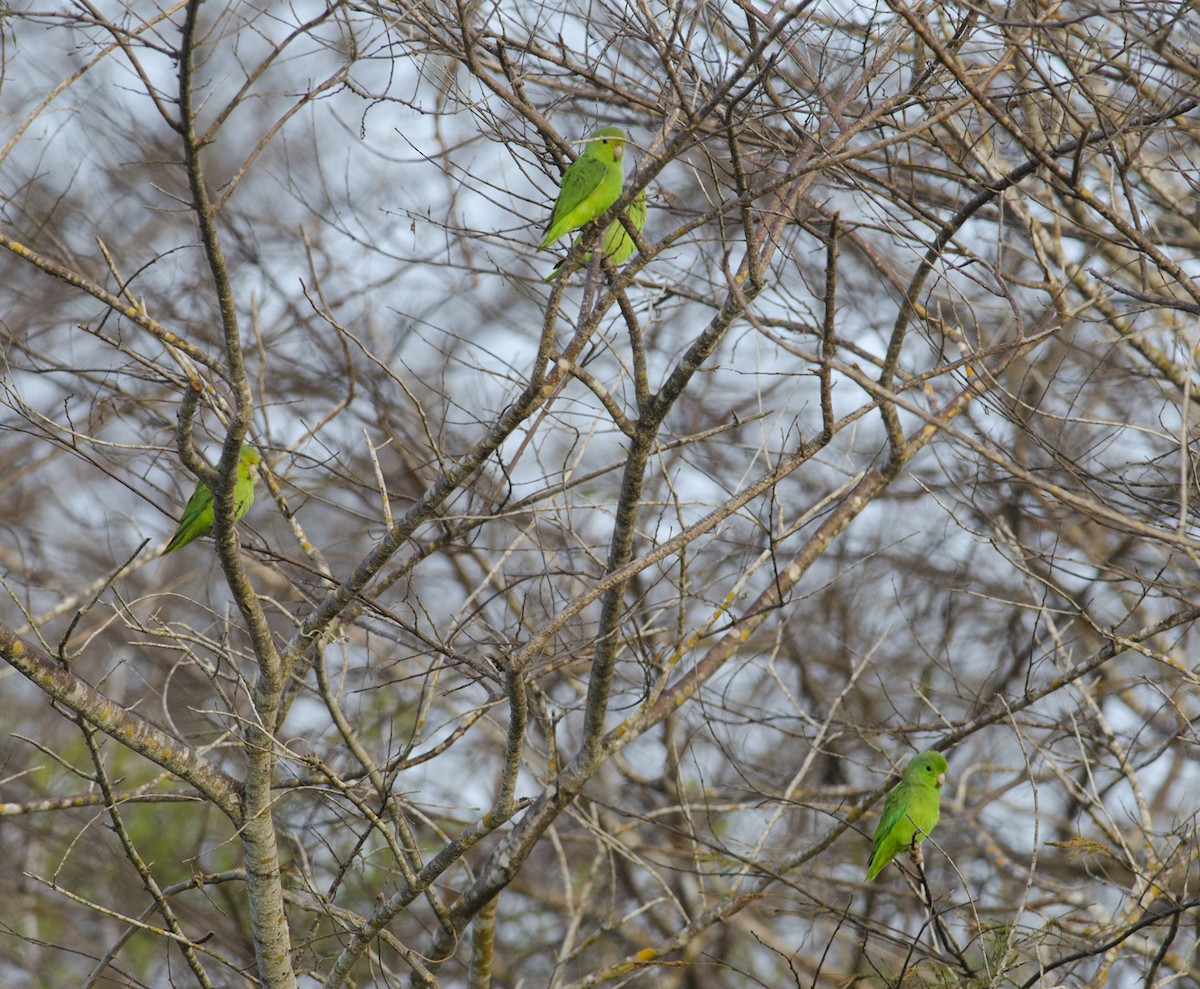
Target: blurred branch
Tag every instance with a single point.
(123, 725)
(135, 314)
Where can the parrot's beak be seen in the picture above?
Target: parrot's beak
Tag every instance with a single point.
(618, 151)
(941, 778)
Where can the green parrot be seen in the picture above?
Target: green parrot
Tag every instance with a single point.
(910, 811)
(618, 245)
(197, 518)
(590, 186)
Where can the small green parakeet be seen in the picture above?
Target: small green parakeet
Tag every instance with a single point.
(618, 246)
(197, 518)
(910, 811)
(590, 186)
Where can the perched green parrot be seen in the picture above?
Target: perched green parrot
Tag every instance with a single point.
(197, 518)
(618, 245)
(910, 811)
(590, 186)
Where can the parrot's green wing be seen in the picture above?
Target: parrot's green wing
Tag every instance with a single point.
(197, 518)
(590, 186)
(894, 831)
(618, 245)
(577, 200)
(894, 809)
